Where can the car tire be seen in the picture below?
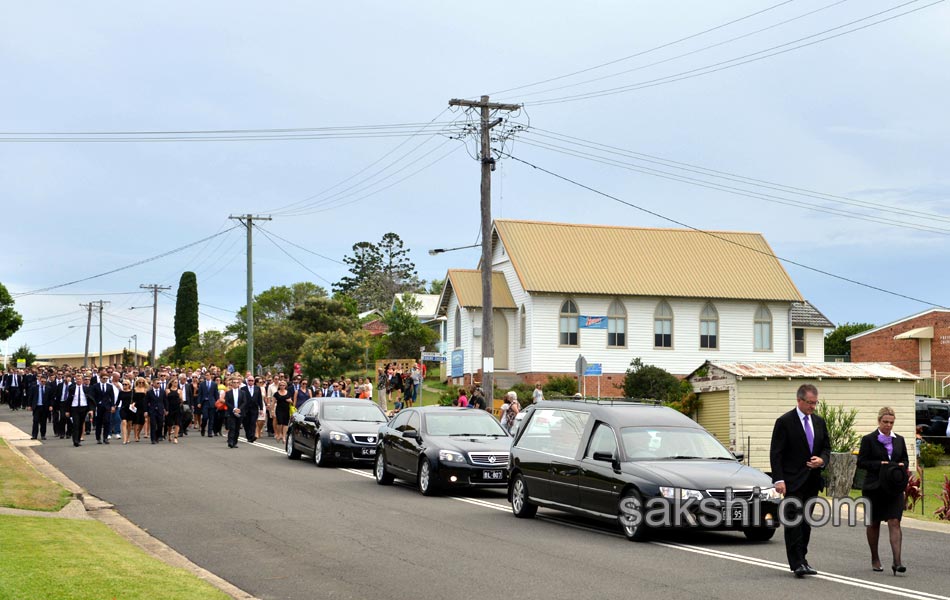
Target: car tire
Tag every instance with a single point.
(292, 453)
(426, 479)
(759, 534)
(632, 517)
(320, 457)
(383, 477)
(521, 506)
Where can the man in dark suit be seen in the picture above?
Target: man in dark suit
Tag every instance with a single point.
(40, 402)
(80, 402)
(157, 409)
(207, 396)
(236, 399)
(800, 450)
(104, 396)
(58, 403)
(14, 385)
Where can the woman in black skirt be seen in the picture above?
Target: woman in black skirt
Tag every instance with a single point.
(883, 455)
(282, 400)
(173, 418)
(125, 410)
(140, 407)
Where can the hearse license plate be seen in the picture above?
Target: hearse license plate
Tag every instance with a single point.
(493, 474)
(735, 513)
(368, 451)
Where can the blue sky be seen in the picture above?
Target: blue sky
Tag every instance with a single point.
(862, 117)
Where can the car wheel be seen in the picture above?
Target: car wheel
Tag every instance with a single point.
(319, 456)
(632, 517)
(426, 480)
(759, 534)
(383, 477)
(292, 453)
(520, 505)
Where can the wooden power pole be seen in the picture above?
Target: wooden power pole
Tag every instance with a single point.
(488, 165)
(248, 221)
(153, 358)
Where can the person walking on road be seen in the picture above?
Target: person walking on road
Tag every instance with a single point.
(207, 396)
(157, 409)
(235, 400)
(80, 403)
(40, 403)
(173, 416)
(105, 406)
(800, 449)
(883, 455)
(139, 407)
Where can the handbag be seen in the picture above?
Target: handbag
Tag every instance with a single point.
(221, 405)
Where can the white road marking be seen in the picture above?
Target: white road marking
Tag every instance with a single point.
(711, 553)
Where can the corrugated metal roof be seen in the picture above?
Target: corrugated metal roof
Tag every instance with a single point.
(806, 315)
(467, 284)
(828, 370)
(631, 261)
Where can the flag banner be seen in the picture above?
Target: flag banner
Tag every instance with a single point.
(585, 322)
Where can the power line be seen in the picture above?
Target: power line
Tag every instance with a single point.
(225, 131)
(66, 322)
(723, 65)
(116, 270)
(301, 247)
(173, 297)
(85, 294)
(736, 191)
(641, 53)
(719, 237)
(291, 257)
(48, 317)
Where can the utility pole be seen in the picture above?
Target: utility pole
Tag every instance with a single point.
(488, 165)
(248, 221)
(101, 304)
(155, 289)
(85, 356)
(135, 357)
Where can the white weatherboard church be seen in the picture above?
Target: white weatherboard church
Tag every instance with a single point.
(672, 297)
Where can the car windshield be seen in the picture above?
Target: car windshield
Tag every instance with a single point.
(474, 422)
(671, 443)
(353, 412)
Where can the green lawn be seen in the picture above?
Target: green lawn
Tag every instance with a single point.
(933, 486)
(67, 559)
(22, 486)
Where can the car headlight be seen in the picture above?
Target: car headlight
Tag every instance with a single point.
(449, 456)
(339, 436)
(683, 494)
(769, 494)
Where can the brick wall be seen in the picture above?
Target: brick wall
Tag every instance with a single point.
(881, 346)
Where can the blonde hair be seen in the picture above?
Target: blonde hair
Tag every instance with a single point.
(140, 384)
(887, 410)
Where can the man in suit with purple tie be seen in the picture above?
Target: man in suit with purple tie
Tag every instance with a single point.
(236, 400)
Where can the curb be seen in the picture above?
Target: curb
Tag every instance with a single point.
(104, 512)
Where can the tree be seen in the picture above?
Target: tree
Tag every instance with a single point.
(835, 342)
(318, 315)
(398, 273)
(365, 265)
(10, 320)
(186, 312)
(274, 304)
(378, 272)
(646, 381)
(278, 342)
(209, 347)
(406, 334)
(25, 353)
(333, 352)
(436, 285)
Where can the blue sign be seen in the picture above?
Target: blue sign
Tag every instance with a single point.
(458, 363)
(594, 369)
(585, 322)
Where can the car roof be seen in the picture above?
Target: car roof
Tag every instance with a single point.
(623, 413)
(444, 409)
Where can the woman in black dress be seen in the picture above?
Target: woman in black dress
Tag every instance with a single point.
(125, 412)
(282, 400)
(302, 394)
(140, 407)
(883, 455)
(173, 418)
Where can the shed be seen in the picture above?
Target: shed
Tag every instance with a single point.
(741, 400)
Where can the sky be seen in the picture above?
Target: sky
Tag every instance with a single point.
(855, 126)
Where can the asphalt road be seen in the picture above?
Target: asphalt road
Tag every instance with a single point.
(287, 529)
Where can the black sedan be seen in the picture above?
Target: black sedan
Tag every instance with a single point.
(335, 429)
(439, 447)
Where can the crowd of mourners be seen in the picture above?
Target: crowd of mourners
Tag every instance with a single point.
(161, 404)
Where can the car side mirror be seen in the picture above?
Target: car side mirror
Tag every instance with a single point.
(311, 419)
(411, 434)
(739, 455)
(604, 456)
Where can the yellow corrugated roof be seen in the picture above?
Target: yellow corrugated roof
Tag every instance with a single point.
(632, 261)
(467, 284)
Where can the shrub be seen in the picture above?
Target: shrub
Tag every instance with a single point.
(943, 513)
(562, 385)
(930, 454)
(647, 381)
(914, 491)
(449, 395)
(525, 393)
(840, 424)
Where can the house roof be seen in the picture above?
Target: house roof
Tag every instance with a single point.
(429, 302)
(467, 284)
(806, 315)
(632, 261)
(898, 322)
(797, 370)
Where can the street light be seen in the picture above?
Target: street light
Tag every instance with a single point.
(436, 251)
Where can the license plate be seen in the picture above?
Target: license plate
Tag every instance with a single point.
(493, 474)
(368, 451)
(736, 513)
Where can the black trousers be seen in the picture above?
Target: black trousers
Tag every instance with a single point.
(103, 423)
(40, 417)
(156, 420)
(79, 415)
(14, 397)
(234, 429)
(220, 416)
(250, 426)
(797, 537)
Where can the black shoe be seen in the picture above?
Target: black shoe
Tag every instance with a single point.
(33, 438)
(43, 438)
(106, 441)
(99, 441)
(800, 571)
(898, 569)
(76, 444)
(810, 570)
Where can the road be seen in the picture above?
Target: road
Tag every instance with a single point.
(288, 529)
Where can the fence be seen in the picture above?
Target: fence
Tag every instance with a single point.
(936, 385)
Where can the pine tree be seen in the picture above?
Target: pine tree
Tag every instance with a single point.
(186, 312)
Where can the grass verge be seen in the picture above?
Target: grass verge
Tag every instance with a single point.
(91, 561)
(933, 487)
(22, 486)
